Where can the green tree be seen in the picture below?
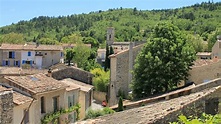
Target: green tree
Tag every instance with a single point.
(163, 62)
(14, 38)
(107, 60)
(213, 38)
(48, 41)
(90, 40)
(73, 38)
(101, 79)
(81, 54)
(120, 105)
(69, 54)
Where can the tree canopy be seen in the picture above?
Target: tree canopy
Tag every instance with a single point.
(130, 24)
(163, 62)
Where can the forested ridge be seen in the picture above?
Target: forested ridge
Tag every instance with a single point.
(200, 20)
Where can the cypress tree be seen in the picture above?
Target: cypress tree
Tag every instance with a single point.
(120, 104)
(107, 60)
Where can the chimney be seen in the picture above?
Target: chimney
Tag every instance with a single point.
(49, 73)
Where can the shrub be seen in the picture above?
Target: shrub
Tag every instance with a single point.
(96, 113)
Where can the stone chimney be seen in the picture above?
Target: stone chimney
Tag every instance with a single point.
(6, 106)
(49, 73)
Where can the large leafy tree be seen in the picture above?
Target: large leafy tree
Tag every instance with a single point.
(163, 62)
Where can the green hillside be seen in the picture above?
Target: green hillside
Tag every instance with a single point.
(201, 20)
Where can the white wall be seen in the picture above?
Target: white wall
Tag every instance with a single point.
(24, 56)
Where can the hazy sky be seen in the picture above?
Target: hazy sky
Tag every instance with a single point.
(12, 11)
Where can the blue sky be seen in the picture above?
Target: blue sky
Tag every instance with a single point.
(12, 11)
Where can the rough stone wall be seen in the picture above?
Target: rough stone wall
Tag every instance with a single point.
(204, 73)
(74, 73)
(6, 107)
(121, 71)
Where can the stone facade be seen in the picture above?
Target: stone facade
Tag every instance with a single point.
(74, 73)
(205, 73)
(120, 72)
(202, 98)
(6, 107)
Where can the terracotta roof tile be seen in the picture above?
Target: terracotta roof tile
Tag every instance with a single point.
(37, 83)
(30, 47)
(18, 98)
(74, 83)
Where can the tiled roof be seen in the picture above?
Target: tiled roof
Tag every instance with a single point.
(204, 54)
(202, 62)
(17, 70)
(71, 85)
(18, 98)
(37, 83)
(30, 47)
(74, 83)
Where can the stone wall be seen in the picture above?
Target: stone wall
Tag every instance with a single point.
(205, 73)
(6, 107)
(99, 96)
(120, 72)
(74, 73)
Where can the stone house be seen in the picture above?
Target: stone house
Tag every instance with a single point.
(101, 55)
(216, 49)
(85, 94)
(48, 95)
(34, 55)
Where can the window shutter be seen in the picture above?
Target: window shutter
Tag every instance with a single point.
(23, 61)
(69, 101)
(8, 63)
(14, 63)
(31, 62)
(73, 100)
(18, 63)
(13, 54)
(3, 63)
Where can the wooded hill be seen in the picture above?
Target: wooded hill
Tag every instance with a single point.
(201, 20)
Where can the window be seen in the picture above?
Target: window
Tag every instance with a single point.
(26, 118)
(7, 62)
(42, 104)
(27, 62)
(70, 101)
(29, 53)
(55, 103)
(11, 55)
(61, 54)
(16, 63)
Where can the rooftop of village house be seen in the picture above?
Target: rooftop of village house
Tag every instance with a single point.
(18, 98)
(17, 70)
(37, 83)
(151, 112)
(204, 54)
(36, 47)
(77, 84)
(203, 62)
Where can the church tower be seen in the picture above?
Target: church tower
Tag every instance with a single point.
(110, 35)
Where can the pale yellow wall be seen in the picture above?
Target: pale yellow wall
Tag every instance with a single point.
(18, 113)
(76, 99)
(48, 104)
(82, 104)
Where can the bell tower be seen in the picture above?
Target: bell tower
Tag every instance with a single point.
(110, 35)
